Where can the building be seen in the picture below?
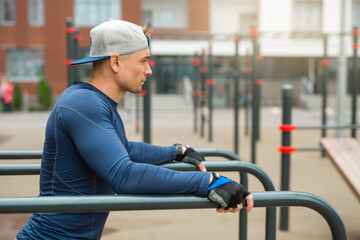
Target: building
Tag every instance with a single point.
(32, 37)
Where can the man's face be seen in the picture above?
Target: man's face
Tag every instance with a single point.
(134, 70)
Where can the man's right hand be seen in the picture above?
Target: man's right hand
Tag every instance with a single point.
(230, 195)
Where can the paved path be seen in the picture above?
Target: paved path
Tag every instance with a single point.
(309, 173)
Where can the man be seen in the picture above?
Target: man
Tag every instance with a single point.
(86, 151)
(6, 94)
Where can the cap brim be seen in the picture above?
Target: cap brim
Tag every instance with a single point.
(88, 60)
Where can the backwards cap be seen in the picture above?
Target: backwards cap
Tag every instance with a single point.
(114, 37)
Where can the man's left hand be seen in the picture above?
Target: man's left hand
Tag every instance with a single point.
(193, 157)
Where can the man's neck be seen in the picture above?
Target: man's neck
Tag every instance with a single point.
(110, 90)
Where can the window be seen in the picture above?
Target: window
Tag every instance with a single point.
(246, 22)
(355, 16)
(147, 17)
(307, 15)
(36, 12)
(94, 12)
(165, 13)
(7, 8)
(166, 18)
(24, 65)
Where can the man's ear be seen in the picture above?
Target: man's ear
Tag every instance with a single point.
(115, 62)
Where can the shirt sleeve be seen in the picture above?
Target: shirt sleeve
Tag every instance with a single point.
(147, 153)
(98, 144)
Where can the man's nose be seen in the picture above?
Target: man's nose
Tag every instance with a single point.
(148, 71)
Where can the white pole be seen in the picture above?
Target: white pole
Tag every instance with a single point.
(342, 70)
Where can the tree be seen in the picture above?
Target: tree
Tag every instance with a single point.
(44, 93)
(18, 100)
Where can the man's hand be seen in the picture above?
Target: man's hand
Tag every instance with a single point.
(230, 195)
(193, 157)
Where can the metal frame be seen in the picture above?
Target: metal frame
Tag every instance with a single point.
(146, 202)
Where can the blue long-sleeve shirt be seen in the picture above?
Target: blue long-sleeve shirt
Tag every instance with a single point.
(86, 152)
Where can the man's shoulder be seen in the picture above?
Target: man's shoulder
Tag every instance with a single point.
(82, 97)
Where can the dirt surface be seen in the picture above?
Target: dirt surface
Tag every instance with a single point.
(309, 173)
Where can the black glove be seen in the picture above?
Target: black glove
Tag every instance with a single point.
(227, 193)
(193, 157)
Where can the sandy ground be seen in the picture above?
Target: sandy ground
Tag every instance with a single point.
(309, 173)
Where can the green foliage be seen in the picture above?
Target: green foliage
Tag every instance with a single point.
(44, 93)
(18, 99)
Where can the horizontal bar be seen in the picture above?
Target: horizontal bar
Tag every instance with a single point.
(217, 152)
(309, 149)
(157, 202)
(327, 127)
(231, 166)
(37, 154)
(205, 151)
(20, 154)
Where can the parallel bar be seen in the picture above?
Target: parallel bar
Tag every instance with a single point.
(309, 149)
(327, 127)
(146, 202)
(20, 154)
(232, 166)
(21, 169)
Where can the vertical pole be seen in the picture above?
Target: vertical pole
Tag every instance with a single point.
(76, 38)
(196, 63)
(210, 83)
(324, 63)
(70, 50)
(243, 213)
(254, 33)
(202, 93)
(355, 33)
(342, 70)
(285, 157)
(147, 105)
(259, 83)
(247, 71)
(137, 113)
(236, 95)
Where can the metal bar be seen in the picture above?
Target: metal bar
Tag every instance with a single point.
(147, 108)
(34, 168)
(196, 62)
(324, 90)
(327, 127)
(255, 119)
(354, 80)
(70, 51)
(309, 149)
(236, 96)
(285, 157)
(76, 54)
(210, 97)
(202, 94)
(146, 202)
(20, 154)
(29, 169)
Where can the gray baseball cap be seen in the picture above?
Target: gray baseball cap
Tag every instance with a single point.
(114, 37)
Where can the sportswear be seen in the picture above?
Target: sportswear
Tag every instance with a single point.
(86, 152)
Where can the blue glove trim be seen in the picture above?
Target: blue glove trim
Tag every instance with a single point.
(222, 180)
